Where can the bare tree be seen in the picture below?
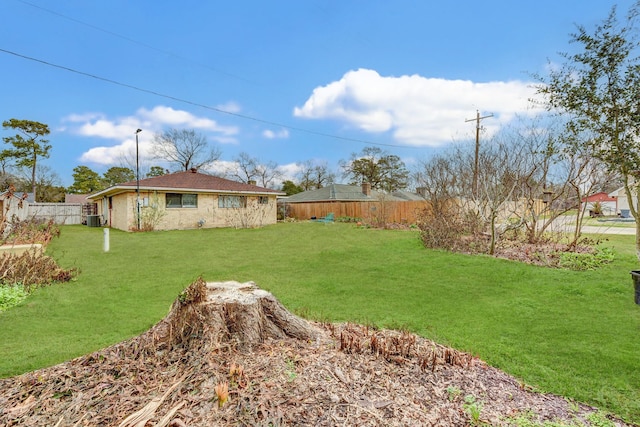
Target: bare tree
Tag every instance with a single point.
(48, 184)
(313, 175)
(519, 169)
(268, 174)
(442, 224)
(502, 165)
(583, 174)
(247, 169)
(244, 168)
(184, 147)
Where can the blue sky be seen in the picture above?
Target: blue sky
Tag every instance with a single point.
(284, 81)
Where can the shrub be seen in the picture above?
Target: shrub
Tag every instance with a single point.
(150, 216)
(447, 227)
(28, 231)
(585, 260)
(12, 295)
(32, 269)
(348, 219)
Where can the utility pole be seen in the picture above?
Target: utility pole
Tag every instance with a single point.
(137, 181)
(475, 166)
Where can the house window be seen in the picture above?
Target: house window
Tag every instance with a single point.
(232, 202)
(177, 200)
(263, 200)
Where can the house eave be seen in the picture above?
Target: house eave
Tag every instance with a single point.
(119, 189)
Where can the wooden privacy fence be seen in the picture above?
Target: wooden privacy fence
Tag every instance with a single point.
(61, 213)
(379, 211)
(390, 212)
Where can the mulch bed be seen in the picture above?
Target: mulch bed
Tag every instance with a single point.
(350, 375)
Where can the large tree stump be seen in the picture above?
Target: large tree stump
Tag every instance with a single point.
(227, 312)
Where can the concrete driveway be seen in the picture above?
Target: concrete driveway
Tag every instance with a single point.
(609, 226)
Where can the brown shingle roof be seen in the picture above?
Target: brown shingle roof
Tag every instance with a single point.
(339, 192)
(76, 198)
(192, 181)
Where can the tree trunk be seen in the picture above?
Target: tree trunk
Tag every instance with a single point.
(637, 239)
(635, 212)
(240, 314)
(492, 245)
(33, 178)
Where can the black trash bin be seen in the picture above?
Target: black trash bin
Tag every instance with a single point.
(635, 275)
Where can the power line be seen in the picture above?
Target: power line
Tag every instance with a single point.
(196, 104)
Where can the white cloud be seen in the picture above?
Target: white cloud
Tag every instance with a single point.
(167, 116)
(417, 110)
(120, 131)
(269, 134)
(229, 107)
(104, 128)
(84, 117)
(221, 167)
(289, 171)
(108, 155)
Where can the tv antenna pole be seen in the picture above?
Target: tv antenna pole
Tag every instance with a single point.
(475, 166)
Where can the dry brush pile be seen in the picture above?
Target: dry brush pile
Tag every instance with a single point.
(31, 268)
(231, 355)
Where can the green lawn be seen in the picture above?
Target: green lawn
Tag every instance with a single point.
(575, 334)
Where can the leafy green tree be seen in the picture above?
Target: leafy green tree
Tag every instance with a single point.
(28, 145)
(291, 188)
(118, 175)
(85, 181)
(382, 170)
(156, 171)
(597, 89)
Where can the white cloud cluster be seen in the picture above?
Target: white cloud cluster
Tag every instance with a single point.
(289, 171)
(121, 131)
(417, 110)
(280, 134)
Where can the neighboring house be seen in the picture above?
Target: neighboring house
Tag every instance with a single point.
(341, 193)
(608, 203)
(622, 201)
(185, 200)
(408, 195)
(77, 198)
(15, 205)
(354, 201)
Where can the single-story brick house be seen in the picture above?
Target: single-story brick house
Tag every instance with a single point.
(185, 200)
